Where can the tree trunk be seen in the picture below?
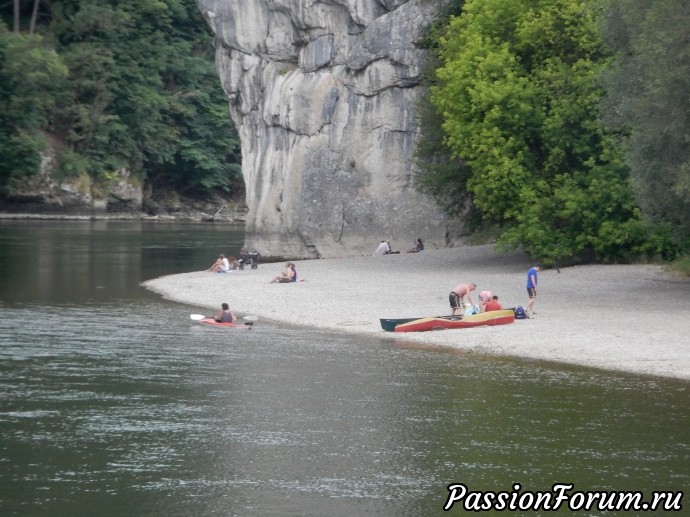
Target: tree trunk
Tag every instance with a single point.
(16, 17)
(34, 15)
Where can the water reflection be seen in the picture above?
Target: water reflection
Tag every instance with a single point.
(58, 261)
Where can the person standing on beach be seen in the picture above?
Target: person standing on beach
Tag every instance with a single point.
(457, 297)
(532, 288)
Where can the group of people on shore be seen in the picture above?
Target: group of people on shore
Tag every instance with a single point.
(384, 248)
(461, 295)
(224, 264)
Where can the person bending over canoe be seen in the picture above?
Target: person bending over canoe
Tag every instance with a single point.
(225, 315)
(458, 295)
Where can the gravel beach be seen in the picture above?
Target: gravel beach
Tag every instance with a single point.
(633, 318)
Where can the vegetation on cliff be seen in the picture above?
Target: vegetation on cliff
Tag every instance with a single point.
(114, 85)
(519, 89)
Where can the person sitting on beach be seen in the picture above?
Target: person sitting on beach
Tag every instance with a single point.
(484, 298)
(233, 263)
(294, 274)
(458, 295)
(383, 249)
(418, 246)
(390, 250)
(225, 315)
(221, 265)
(289, 274)
(492, 305)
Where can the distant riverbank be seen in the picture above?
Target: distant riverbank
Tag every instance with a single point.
(632, 318)
(170, 206)
(197, 217)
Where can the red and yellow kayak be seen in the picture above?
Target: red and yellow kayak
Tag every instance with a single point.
(502, 317)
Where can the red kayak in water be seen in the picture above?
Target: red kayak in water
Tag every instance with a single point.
(211, 322)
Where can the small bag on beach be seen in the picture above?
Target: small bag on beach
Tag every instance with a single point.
(472, 310)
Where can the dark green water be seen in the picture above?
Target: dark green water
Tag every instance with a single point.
(113, 403)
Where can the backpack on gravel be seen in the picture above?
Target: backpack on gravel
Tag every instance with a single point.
(520, 313)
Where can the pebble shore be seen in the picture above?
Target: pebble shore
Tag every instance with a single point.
(633, 318)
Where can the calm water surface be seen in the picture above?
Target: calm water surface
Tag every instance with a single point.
(113, 403)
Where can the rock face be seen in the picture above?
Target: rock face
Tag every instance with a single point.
(323, 95)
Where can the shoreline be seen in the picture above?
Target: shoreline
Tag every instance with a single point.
(204, 218)
(631, 318)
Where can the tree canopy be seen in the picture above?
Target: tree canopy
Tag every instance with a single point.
(648, 100)
(120, 84)
(518, 93)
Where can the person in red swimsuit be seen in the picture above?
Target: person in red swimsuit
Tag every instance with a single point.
(493, 305)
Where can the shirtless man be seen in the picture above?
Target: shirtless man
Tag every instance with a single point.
(458, 295)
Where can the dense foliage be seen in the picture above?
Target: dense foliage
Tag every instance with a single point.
(118, 84)
(649, 99)
(444, 176)
(31, 79)
(518, 94)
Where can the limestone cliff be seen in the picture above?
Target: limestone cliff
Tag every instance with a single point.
(323, 95)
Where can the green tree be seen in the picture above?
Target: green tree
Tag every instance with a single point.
(31, 75)
(146, 95)
(519, 98)
(649, 101)
(142, 92)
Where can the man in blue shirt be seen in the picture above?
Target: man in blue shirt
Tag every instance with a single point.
(532, 288)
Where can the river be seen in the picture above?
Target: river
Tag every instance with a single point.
(114, 403)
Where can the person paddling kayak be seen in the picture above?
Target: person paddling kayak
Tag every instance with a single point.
(225, 315)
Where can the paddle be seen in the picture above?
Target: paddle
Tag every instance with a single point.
(197, 317)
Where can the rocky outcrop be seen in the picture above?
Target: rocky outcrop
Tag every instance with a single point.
(323, 95)
(122, 196)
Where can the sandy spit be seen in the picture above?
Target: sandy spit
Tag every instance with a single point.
(633, 318)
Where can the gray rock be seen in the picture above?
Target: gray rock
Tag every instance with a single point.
(323, 96)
